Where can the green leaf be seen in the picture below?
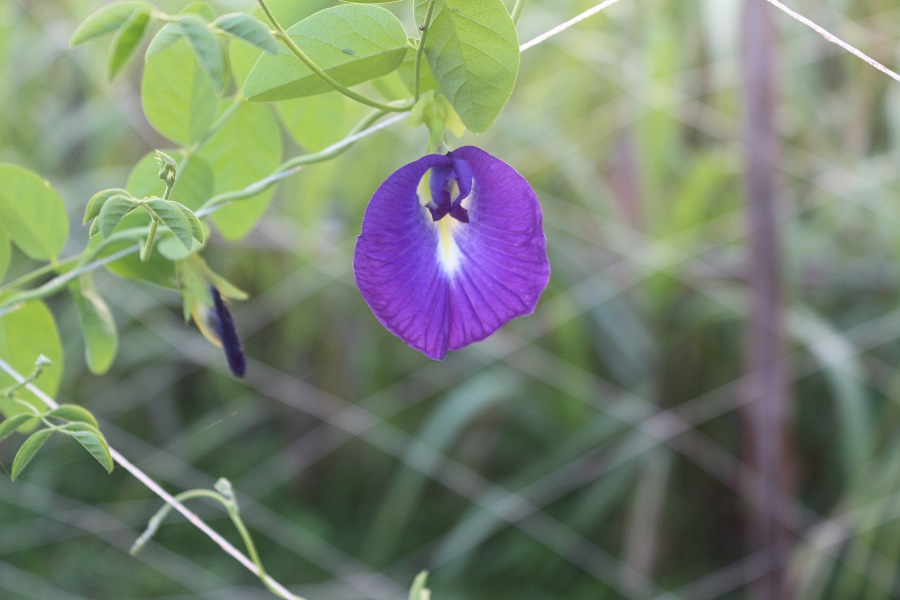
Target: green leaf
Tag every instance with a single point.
(351, 43)
(73, 413)
(202, 42)
(97, 325)
(315, 122)
(164, 38)
(126, 42)
(407, 73)
(28, 450)
(473, 51)
(173, 249)
(254, 129)
(25, 334)
(193, 220)
(112, 211)
(33, 215)
(96, 202)
(178, 97)
(206, 48)
(92, 440)
(246, 28)
(5, 253)
(106, 20)
(173, 219)
(198, 7)
(9, 426)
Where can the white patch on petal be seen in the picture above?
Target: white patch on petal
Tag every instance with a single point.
(449, 255)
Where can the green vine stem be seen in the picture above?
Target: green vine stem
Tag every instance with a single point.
(517, 10)
(293, 47)
(151, 236)
(426, 24)
(289, 167)
(224, 495)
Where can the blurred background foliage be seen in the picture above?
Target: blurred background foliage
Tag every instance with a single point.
(590, 451)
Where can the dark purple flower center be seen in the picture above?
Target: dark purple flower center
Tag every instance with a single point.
(446, 180)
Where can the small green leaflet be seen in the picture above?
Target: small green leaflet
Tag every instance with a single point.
(92, 440)
(473, 51)
(28, 450)
(34, 217)
(246, 28)
(125, 43)
(9, 426)
(174, 217)
(202, 42)
(352, 43)
(112, 211)
(106, 20)
(96, 202)
(97, 325)
(73, 413)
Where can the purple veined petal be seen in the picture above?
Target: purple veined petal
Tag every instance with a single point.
(444, 277)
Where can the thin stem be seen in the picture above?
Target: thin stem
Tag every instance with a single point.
(159, 516)
(293, 47)
(425, 26)
(40, 271)
(517, 10)
(151, 235)
(233, 513)
(8, 305)
(145, 479)
(362, 129)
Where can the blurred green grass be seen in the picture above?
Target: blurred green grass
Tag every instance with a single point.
(591, 450)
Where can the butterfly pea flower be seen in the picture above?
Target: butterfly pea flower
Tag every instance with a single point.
(451, 249)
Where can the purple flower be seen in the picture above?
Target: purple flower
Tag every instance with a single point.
(451, 249)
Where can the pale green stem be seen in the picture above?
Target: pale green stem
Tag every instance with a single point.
(517, 10)
(151, 236)
(293, 47)
(290, 167)
(40, 271)
(233, 513)
(425, 26)
(58, 283)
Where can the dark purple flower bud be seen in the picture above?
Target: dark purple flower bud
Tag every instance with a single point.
(223, 325)
(451, 249)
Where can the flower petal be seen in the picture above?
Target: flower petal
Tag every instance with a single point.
(442, 285)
